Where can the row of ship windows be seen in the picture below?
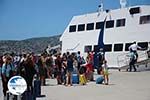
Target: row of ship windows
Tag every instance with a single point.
(109, 24)
(117, 47)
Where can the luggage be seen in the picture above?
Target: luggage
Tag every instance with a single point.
(10, 96)
(37, 88)
(27, 95)
(82, 79)
(82, 70)
(90, 76)
(100, 80)
(75, 79)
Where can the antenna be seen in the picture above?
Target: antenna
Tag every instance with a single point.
(100, 7)
(123, 3)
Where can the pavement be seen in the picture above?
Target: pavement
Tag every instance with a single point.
(122, 86)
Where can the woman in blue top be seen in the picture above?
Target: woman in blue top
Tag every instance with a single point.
(7, 72)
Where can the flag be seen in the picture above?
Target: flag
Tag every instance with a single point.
(101, 36)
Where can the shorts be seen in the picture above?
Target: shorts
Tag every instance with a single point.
(106, 72)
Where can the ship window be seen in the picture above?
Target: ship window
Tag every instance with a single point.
(120, 22)
(81, 27)
(108, 47)
(118, 47)
(127, 46)
(96, 48)
(145, 19)
(134, 10)
(110, 24)
(99, 25)
(88, 48)
(72, 28)
(143, 45)
(90, 26)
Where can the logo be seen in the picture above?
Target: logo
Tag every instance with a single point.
(17, 85)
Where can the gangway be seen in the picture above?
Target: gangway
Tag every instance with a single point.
(123, 60)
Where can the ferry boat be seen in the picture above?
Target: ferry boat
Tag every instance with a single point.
(121, 27)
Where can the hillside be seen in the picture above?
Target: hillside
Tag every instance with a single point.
(36, 45)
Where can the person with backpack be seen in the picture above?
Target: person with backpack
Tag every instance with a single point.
(101, 57)
(133, 48)
(79, 61)
(6, 72)
(132, 61)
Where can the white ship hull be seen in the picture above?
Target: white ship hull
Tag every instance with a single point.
(133, 29)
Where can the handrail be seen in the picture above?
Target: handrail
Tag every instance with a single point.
(123, 59)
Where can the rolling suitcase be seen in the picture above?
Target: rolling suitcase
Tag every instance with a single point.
(27, 95)
(82, 79)
(37, 88)
(75, 79)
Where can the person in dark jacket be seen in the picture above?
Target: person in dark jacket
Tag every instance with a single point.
(29, 72)
(58, 63)
(69, 69)
(42, 69)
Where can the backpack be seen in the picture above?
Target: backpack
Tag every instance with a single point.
(101, 58)
(11, 72)
(79, 59)
(82, 61)
(133, 57)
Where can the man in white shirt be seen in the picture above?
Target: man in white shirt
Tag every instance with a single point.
(133, 48)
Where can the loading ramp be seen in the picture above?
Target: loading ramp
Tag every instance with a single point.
(123, 61)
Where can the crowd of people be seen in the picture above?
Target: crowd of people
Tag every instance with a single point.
(59, 66)
(17, 65)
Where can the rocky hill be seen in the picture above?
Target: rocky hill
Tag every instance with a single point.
(36, 45)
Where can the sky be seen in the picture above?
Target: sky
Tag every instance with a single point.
(23, 19)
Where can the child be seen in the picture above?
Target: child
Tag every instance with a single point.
(105, 72)
(82, 77)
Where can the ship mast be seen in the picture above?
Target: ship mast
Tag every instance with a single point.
(123, 3)
(100, 7)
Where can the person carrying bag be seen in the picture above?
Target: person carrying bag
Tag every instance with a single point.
(8, 71)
